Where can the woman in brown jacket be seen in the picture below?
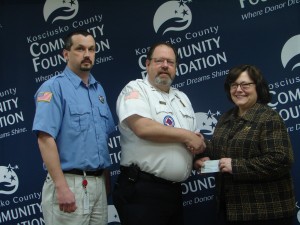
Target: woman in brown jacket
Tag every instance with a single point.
(255, 155)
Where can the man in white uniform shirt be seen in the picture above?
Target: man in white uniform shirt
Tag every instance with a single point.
(158, 141)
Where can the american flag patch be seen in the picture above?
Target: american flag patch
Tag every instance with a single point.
(44, 97)
(134, 94)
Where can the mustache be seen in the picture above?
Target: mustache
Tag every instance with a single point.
(164, 72)
(86, 60)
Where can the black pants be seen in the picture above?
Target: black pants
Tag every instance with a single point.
(147, 202)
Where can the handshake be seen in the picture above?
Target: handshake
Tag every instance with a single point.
(195, 143)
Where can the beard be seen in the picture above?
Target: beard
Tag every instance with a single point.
(86, 67)
(162, 81)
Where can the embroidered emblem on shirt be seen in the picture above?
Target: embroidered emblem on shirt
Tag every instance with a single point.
(44, 96)
(169, 121)
(101, 98)
(134, 94)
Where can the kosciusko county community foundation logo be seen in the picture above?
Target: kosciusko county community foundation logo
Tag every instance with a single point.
(290, 53)
(172, 16)
(61, 9)
(207, 121)
(9, 181)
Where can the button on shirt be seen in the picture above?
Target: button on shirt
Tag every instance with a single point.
(78, 118)
(171, 161)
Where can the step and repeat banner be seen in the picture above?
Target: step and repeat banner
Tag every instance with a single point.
(211, 36)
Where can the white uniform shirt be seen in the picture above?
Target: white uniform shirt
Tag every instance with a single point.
(171, 161)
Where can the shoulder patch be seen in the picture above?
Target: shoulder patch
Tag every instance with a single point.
(134, 94)
(44, 97)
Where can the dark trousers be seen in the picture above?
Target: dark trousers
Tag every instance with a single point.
(147, 202)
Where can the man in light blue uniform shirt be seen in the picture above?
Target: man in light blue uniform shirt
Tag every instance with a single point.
(73, 122)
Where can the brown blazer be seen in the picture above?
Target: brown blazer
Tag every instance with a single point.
(261, 186)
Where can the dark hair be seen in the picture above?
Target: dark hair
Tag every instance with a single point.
(153, 47)
(68, 39)
(262, 89)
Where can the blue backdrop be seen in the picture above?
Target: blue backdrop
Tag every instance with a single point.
(211, 36)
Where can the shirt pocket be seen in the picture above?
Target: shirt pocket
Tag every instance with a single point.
(164, 115)
(102, 121)
(163, 109)
(79, 115)
(187, 113)
(189, 119)
(103, 112)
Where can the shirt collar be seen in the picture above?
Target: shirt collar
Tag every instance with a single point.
(146, 81)
(76, 80)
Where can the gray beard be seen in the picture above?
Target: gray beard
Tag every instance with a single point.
(163, 82)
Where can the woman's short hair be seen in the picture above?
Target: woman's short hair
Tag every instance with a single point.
(262, 89)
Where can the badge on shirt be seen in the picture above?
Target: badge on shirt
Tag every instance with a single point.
(169, 121)
(102, 100)
(134, 94)
(44, 96)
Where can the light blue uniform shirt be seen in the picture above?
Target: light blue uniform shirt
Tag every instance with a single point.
(78, 118)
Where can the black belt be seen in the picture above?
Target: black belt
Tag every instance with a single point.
(128, 171)
(96, 173)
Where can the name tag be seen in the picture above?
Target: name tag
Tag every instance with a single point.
(86, 203)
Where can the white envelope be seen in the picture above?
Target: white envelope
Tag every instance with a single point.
(210, 166)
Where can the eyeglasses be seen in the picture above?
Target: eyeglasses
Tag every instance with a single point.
(244, 86)
(161, 61)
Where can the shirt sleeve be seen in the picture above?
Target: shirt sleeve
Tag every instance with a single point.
(133, 100)
(49, 110)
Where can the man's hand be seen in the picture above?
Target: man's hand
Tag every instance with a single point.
(66, 200)
(196, 143)
(200, 163)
